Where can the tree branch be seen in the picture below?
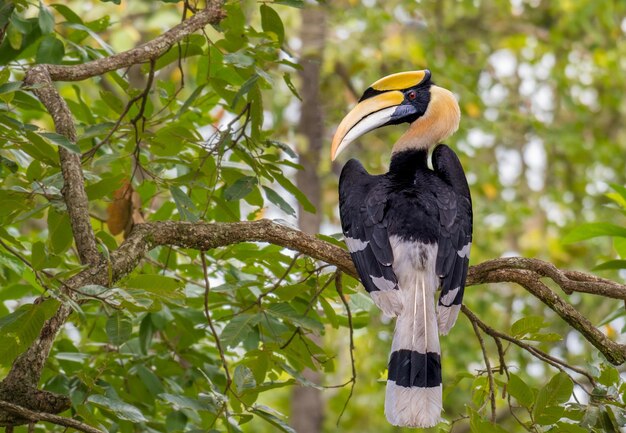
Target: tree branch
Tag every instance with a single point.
(530, 280)
(569, 281)
(213, 14)
(40, 416)
(74, 193)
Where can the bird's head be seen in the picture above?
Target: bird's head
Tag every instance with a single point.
(405, 97)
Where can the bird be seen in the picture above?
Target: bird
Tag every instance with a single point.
(409, 232)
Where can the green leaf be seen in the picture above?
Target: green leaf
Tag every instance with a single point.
(565, 427)
(177, 420)
(285, 311)
(611, 265)
(244, 89)
(526, 325)
(481, 425)
(183, 402)
(67, 13)
(549, 415)
(289, 186)
(146, 332)
(290, 85)
(243, 378)
(20, 328)
(189, 101)
(293, 3)
(239, 58)
(555, 392)
(266, 413)
(241, 188)
(186, 208)
(520, 390)
(150, 380)
(609, 376)
(118, 328)
(161, 285)
(10, 87)
(279, 201)
(46, 19)
(548, 337)
(238, 328)
(38, 255)
(60, 140)
(8, 164)
(60, 231)
(121, 409)
(271, 23)
(620, 246)
(594, 230)
(50, 50)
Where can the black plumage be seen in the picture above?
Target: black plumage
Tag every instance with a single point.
(412, 202)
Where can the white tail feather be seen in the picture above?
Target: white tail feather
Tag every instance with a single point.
(389, 301)
(446, 317)
(416, 330)
(412, 407)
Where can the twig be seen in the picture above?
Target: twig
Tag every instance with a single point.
(306, 311)
(352, 380)
(207, 314)
(144, 95)
(41, 416)
(555, 362)
(492, 393)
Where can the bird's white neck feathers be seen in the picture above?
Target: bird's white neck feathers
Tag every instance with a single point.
(440, 120)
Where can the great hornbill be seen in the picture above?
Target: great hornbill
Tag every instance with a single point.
(409, 232)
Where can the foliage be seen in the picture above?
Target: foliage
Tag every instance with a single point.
(199, 135)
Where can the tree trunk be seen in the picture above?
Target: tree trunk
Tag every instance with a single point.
(307, 409)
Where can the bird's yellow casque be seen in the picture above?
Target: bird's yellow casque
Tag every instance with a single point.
(409, 232)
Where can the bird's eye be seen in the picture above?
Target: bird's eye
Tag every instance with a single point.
(412, 95)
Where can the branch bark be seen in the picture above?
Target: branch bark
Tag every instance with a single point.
(74, 193)
(41, 416)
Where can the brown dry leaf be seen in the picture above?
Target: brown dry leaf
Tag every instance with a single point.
(137, 214)
(120, 210)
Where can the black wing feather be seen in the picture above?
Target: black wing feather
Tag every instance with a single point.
(362, 203)
(455, 217)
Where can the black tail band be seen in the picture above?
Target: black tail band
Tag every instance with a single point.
(410, 368)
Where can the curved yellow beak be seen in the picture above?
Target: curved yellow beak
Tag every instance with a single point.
(368, 114)
(377, 108)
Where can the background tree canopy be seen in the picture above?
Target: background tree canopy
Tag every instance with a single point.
(155, 158)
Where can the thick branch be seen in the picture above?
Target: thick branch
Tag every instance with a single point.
(73, 181)
(213, 14)
(569, 281)
(30, 415)
(614, 352)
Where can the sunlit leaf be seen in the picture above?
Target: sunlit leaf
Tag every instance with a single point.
(594, 230)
